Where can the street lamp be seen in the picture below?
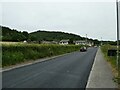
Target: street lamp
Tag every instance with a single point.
(117, 8)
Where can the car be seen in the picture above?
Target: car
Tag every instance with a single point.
(95, 46)
(83, 49)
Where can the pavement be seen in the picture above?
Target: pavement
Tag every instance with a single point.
(101, 75)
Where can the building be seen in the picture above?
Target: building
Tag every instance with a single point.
(82, 42)
(46, 42)
(49, 42)
(64, 42)
(54, 42)
(90, 43)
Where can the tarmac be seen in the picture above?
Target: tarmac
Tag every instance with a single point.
(101, 75)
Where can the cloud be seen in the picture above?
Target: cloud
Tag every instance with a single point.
(92, 18)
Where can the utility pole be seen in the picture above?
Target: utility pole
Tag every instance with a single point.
(86, 40)
(101, 41)
(117, 8)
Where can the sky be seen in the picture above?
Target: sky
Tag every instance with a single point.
(96, 19)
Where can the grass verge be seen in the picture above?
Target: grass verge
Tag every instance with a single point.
(16, 53)
(112, 61)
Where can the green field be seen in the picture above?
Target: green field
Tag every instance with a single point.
(16, 53)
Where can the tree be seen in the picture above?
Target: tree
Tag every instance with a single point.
(32, 38)
(71, 41)
(96, 42)
(18, 37)
(26, 34)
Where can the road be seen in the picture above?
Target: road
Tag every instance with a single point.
(68, 71)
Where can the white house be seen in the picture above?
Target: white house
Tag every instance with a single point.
(82, 42)
(64, 42)
(90, 43)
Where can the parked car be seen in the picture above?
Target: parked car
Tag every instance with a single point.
(83, 49)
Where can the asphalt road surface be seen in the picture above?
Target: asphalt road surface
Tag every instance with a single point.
(68, 71)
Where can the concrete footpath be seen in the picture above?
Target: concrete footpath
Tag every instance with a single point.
(101, 74)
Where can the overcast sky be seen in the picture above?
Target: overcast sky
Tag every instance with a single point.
(96, 19)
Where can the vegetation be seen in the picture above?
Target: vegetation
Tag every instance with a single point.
(17, 53)
(56, 36)
(111, 42)
(13, 53)
(13, 35)
(111, 60)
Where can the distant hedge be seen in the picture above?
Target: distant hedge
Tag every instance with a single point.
(17, 53)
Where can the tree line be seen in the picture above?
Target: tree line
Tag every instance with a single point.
(17, 36)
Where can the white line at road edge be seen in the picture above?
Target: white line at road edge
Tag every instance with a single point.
(87, 86)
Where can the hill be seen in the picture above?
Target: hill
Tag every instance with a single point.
(56, 36)
(14, 35)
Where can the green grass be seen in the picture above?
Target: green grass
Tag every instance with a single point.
(16, 53)
(112, 60)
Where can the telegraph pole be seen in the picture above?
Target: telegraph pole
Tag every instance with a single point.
(101, 41)
(117, 8)
(86, 40)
